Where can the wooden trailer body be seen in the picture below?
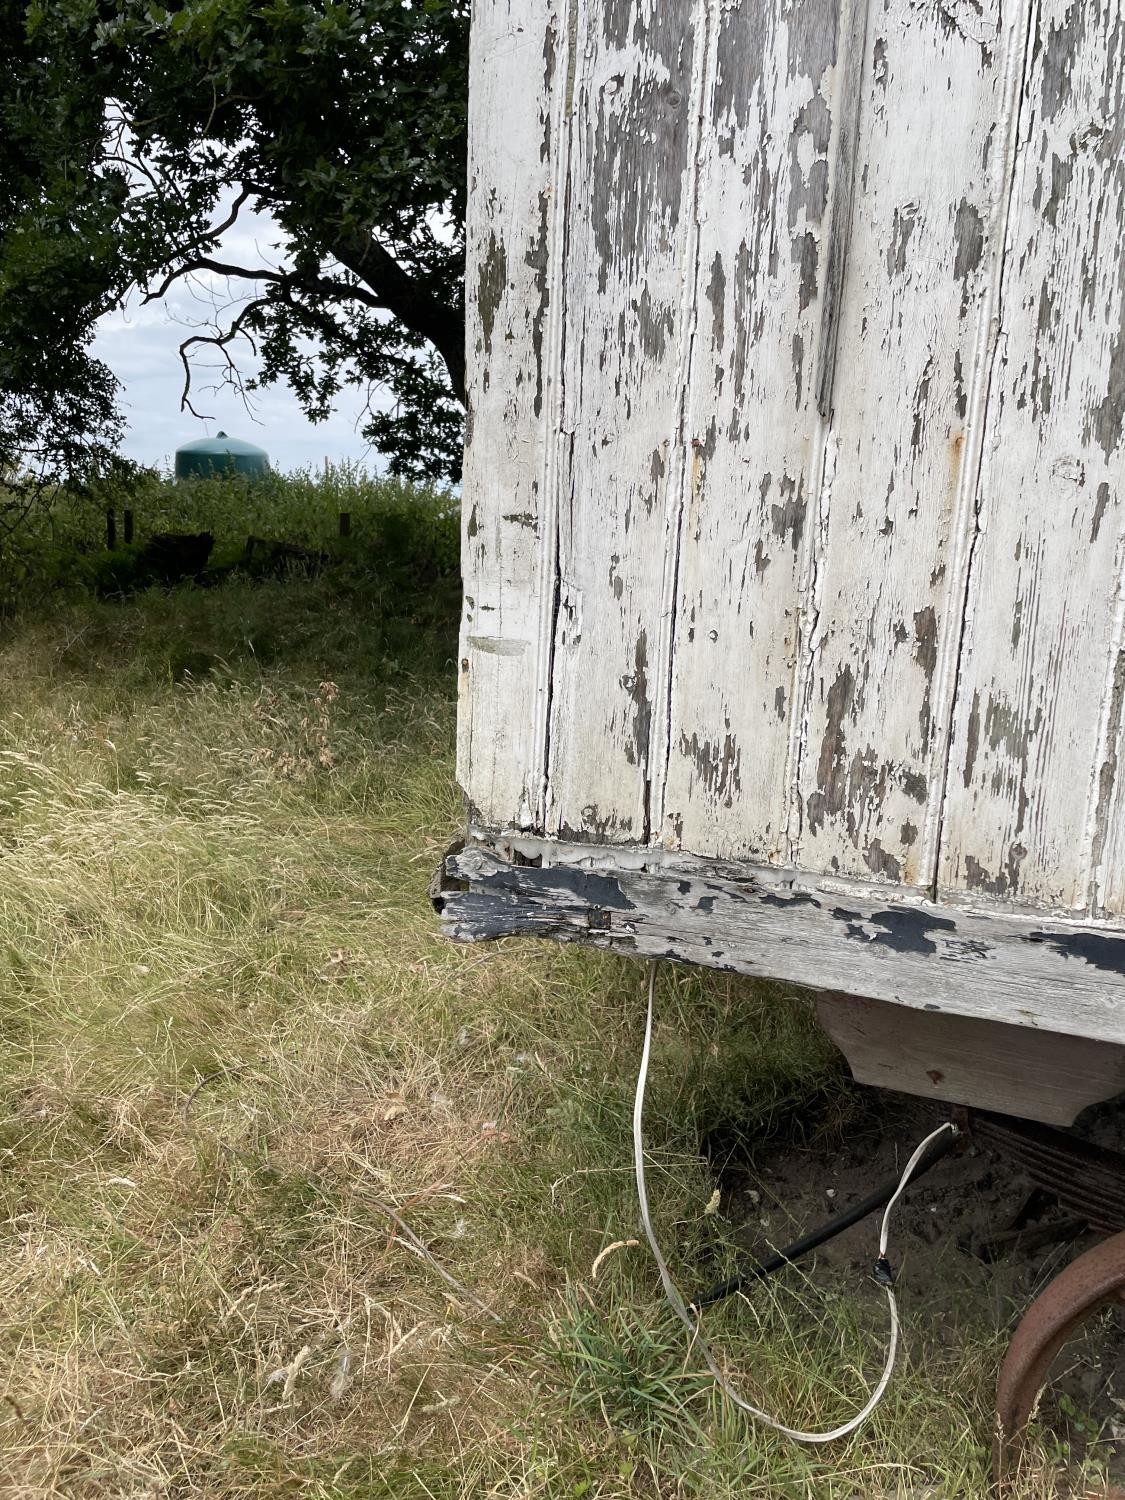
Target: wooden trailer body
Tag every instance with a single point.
(794, 535)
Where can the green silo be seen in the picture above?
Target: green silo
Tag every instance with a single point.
(220, 455)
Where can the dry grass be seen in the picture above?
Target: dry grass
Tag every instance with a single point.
(299, 1199)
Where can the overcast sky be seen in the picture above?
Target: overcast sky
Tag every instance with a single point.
(139, 344)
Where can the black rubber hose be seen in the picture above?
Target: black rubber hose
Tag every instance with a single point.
(940, 1148)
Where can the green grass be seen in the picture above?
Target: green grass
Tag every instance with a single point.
(59, 548)
(233, 1039)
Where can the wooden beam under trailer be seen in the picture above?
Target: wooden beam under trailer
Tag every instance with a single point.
(1057, 987)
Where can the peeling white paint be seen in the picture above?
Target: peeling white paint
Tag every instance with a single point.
(1029, 811)
(794, 509)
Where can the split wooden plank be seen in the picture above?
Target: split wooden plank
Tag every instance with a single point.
(1025, 970)
(766, 180)
(1029, 803)
(516, 139)
(902, 460)
(630, 270)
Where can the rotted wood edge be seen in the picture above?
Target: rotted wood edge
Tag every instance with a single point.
(1013, 967)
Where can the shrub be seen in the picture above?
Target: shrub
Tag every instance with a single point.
(404, 531)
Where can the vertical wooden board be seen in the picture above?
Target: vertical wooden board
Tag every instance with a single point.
(518, 70)
(901, 455)
(1028, 803)
(765, 184)
(628, 273)
(1106, 815)
(1108, 848)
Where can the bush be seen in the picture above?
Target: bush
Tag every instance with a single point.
(404, 531)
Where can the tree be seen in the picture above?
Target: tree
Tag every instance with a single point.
(136, 133)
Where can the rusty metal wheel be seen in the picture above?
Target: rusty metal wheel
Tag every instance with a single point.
(1093, 1281)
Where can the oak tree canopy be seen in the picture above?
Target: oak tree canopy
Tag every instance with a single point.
(134, 133)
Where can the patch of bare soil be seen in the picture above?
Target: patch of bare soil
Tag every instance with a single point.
(957, 1259)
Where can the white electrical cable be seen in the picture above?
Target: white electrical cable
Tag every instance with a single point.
(693, 1325)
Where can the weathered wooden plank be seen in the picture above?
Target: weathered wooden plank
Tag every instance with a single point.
(766, 174)
(902, 438)
(1108, 851)
(1035, 1075)
(630, 221)
(1024, 969)
(518, 71)
(1031, 779)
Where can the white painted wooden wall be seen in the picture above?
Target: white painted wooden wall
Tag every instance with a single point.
(794, 529)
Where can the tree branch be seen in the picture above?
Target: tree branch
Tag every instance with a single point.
(219, 341)
(408, 299)
(244, 195)
(210, 235)
(288, 281)
(386, 287)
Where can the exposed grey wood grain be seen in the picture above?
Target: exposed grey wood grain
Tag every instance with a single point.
(515, 137)
(1026, 970)
(628, 265)
(1108, 851)
(850, 25)
(1032, 778)
(764, 197)
(913, 327)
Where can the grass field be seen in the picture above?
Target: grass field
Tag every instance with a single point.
(300, 1199)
